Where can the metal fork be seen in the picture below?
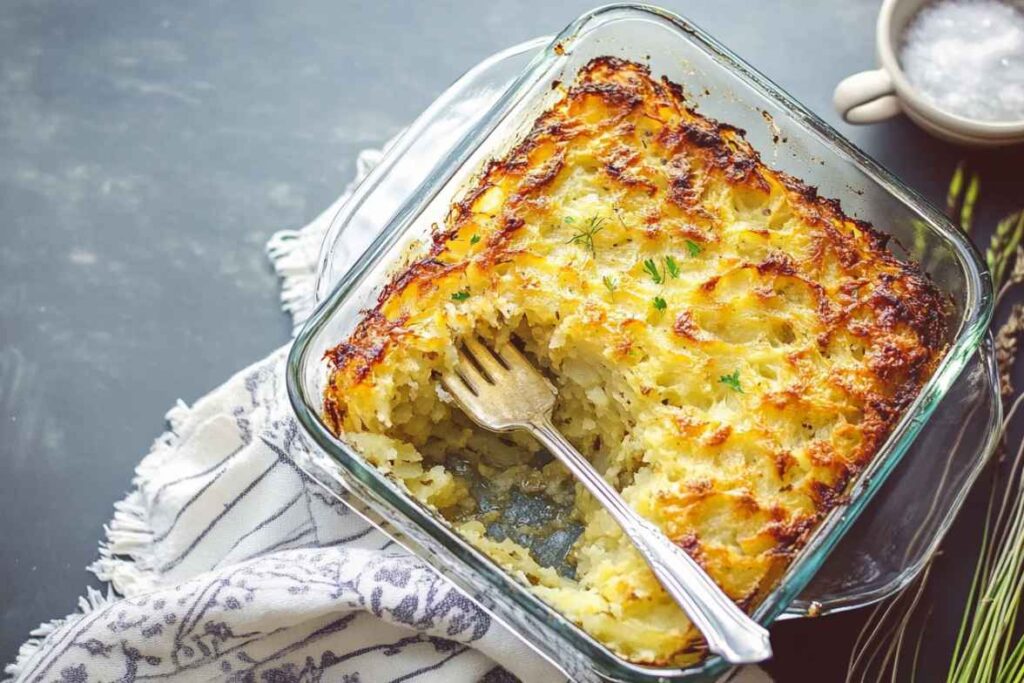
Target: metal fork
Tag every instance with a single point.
(501, 391)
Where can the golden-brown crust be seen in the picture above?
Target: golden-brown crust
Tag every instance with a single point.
(668, 169)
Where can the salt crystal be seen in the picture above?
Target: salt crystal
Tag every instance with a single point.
(967, 58)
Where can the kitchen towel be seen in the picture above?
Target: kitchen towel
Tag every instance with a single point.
(226, 562)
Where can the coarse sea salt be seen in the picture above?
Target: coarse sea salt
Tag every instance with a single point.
(967, 58)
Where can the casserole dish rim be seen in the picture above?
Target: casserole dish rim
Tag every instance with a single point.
(978, 310)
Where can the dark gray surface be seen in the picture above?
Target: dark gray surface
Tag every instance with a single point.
(148, 150)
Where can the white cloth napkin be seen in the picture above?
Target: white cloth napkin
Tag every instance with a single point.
(233, 565)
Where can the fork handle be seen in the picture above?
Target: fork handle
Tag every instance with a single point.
(729, 632)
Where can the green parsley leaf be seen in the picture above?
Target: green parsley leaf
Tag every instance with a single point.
(460, 295)
(732, 381)
(652, 269)
(609, 283)
(660, 303)
(570, 219)
(693, 248)
(671, 266)
(474, 239)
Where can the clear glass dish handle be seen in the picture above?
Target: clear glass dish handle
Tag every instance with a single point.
(729, 632)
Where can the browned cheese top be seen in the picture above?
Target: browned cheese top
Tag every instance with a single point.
(730, 348)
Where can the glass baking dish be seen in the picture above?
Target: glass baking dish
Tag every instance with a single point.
(791, 139)
(889, 543)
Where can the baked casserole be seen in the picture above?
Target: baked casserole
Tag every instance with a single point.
(729, 348)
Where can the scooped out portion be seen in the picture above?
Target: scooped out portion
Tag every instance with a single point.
(729, 349)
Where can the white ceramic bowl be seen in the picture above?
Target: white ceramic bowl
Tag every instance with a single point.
(872, 96)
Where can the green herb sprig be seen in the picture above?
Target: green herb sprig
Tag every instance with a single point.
(659, 303)
(671, 267)
(461, 295)
(956, 187)
(1003, 246)
(970, 198)
(1000, 255)
(651, 268)
(659, 276)
(732, 381)
(585, 236)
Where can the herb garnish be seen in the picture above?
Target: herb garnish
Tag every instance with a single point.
(609, 283)
(652, 269)
(671, 266)
(474, 239)
(732, 381)
(693, 248)
(461, 295)
(660, 303)
(585, 236)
